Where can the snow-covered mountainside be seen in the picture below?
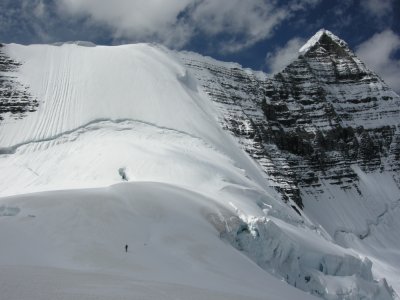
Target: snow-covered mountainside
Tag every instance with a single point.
(225, 183)
(326, 132)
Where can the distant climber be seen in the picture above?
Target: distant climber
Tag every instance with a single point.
(126, 248)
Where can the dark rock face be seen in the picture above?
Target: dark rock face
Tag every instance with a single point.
(321, 115)
(239, 96)
(15, 100)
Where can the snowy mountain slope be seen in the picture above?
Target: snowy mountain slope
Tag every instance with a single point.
(174, 251)
(135, 113)
(62, 78)
(133, 82)
(325, 130)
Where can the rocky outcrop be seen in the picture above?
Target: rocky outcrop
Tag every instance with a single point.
(15, 99)
(314, 120)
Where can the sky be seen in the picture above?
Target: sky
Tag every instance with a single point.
(259, 34)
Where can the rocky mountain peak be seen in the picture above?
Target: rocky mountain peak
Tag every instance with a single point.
(311, 123)
(326, 42)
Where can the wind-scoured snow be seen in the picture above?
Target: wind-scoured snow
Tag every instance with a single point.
(126, 147)
(77, 85)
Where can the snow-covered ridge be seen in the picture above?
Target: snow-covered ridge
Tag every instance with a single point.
(207, 60)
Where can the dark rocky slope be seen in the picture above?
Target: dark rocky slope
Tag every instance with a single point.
(313, 121)
(15, 99)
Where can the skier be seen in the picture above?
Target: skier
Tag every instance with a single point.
(126, 248)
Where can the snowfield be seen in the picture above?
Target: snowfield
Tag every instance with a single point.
(125, 148)
(174, 251)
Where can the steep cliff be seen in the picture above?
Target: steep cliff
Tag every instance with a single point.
(313, 121)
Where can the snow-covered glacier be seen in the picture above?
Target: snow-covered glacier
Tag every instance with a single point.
(104, 146)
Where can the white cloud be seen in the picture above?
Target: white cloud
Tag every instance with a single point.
(39, 9)
(378, 8)
(242, 23)
(251, 20)
(281, 57)
(296, 5)
(133, 19)
(377, 53)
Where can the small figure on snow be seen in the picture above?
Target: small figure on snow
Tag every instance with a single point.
(126, 248)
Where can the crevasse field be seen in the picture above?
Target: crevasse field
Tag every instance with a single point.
(125, 148)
